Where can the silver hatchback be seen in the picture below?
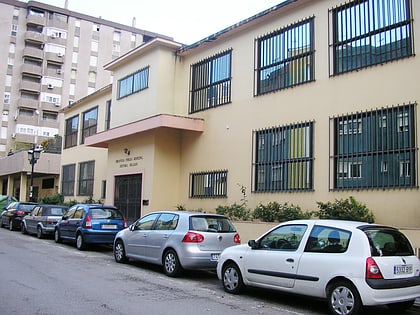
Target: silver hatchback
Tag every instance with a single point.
(176, 240)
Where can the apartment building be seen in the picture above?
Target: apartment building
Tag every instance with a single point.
(50, 57)
(307, 101)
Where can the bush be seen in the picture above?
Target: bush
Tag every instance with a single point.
(345, 209)
(56, 199)
(235, 212)
(274, 211)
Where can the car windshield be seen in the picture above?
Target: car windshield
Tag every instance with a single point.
(26, 207)
(106, 213)
(388, 242)
(214, 224)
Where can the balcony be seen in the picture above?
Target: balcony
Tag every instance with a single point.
(58, 24)
(28, 103)
(35, 20)
(54, 57)
(58, 73)
(30, 86)
(33, 53)
(32, 70)
(35, 37)
(50, 106)
(57, 40)
(27, 120)
(52, 89)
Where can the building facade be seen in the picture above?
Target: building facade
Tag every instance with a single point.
(51, 57)
(307, 101)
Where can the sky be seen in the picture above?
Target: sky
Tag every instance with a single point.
(186, 21)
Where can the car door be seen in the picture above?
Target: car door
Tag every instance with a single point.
(75, 222)
(31, 220)
(63, 224)
(275, 258)
(160, 234)
(137, 238)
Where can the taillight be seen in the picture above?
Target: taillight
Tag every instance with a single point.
(237, 239)
(88, 223)
(372, 269)
(20, 212)
(192, 237)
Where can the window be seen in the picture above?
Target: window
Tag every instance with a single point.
(379, 151)
(6, 98)
(211, 82)
(68, 180)
(283, 158)
(369, 32)
(286, 237)
(327, 240)
(208, 184)
(14, 30)
(86, 178)
(285, 58)
(90, 122)
(133, 83)
(108, 115)
(70, 137)
(50, 116)
(48, 183)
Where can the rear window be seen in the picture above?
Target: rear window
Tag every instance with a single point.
(388, 242)
(55, 211)
(211, 224)
(106, 213)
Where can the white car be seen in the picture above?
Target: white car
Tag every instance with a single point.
(350, 264)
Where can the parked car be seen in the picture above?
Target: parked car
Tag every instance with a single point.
(14, 212)
(41, 221)
(176, 240)
(89, 224)
(350, 264)
(5, 200)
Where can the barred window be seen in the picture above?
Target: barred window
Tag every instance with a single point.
(133, 83)
(283, 159)
(86, 178)
(285, 58)
(211, 82)
(90, 123)
(379, 153)
(208, 184)
(68, 179)
(70, 137)
(369, 32)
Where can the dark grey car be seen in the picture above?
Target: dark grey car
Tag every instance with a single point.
(42, 220)
(14, 212)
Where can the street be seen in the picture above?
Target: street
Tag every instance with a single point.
(42, 277)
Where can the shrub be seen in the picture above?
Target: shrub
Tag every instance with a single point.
(345, 209)
(56, 199)
(235, 211)
(274, 211)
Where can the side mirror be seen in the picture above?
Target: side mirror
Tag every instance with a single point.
(253, 244)
(131, 227)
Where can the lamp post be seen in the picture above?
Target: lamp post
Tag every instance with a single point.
(33, 156)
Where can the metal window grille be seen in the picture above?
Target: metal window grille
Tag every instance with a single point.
(283, 159)
(369, 32)
(285, 58)
(379, 152)
(208, 184)
(211, 82)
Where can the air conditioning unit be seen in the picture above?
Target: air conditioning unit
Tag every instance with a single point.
(16, 115)
(50, 86)
(59, 71)
(14, 135)
(57, 104)
(54, 36)
(60, 54)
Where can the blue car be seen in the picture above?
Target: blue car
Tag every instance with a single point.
(89, 224)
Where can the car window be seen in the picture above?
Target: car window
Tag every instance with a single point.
(167, 221)
(35, 211)
(106, 213)
(26, 207)
(70, 213)
(78, 214)
(286, 237)
(211, 224)
(54, 211)
(324, 239)
(388, 242)
(146, 223)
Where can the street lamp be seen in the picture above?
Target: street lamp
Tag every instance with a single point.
(33, 156)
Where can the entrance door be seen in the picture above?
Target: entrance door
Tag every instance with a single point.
(127, 196)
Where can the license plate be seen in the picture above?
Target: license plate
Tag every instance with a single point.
(109, 226)
(215, 257)
(403, 269)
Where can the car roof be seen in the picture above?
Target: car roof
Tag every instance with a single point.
(344, 224)
(188, 213)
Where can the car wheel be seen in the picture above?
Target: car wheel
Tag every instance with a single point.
(39, 233)
(232, 279)
(119, 252)
(80, 242)
(343, 298)
(11, 227)
(401, 306)
(57, 237)
(23, 229)
(171, 265)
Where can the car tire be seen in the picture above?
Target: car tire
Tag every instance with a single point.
(23, 229)
(171, 265)
(57, 236)
(119, 252)
(11, 227)
(401, 306)
(343, 298)
(80, 242)
(39, 232)
(232, 278)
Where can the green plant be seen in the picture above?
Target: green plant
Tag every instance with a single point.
(234, 212)
(274, 211)
(56, 199)
(345, 209)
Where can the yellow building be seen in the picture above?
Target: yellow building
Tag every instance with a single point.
(307, 101)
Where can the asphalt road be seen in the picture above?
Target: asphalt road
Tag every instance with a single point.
(41, 277)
